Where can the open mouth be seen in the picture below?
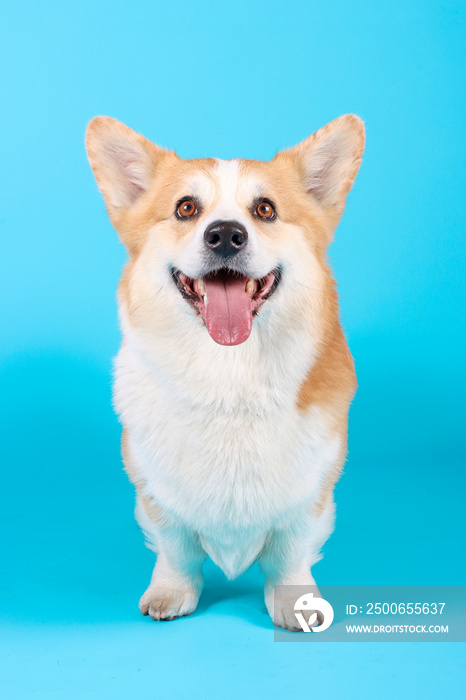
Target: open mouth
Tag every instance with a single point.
(227, 301)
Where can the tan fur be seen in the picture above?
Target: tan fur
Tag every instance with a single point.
(152, 510)
(128, 462)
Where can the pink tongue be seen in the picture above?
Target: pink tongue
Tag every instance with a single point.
(228, 314)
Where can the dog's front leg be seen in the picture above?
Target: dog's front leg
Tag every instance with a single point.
(286, 561)
(177, 579)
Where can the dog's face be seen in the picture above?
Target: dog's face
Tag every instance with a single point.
(225, 241)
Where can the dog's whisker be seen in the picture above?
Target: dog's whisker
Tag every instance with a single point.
(312, 289)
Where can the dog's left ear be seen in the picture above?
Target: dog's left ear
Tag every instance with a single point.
(328, 161)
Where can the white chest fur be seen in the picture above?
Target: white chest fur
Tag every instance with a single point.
(222, 441)
(217, 437)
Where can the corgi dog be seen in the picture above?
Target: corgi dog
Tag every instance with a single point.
(234, 379)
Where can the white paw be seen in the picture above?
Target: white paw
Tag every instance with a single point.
(283, 614)
(162, 603)
(281, 606)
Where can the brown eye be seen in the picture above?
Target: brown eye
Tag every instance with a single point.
(265, 210)
(186, 208)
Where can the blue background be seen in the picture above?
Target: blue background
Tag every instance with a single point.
(226, 79)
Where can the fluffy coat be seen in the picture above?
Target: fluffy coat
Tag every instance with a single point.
(234, 451)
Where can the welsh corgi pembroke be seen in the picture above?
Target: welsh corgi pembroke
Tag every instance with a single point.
(234, 379)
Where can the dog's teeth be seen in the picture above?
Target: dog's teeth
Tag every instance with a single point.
(204, 299)
(250, 287)
(200, 286)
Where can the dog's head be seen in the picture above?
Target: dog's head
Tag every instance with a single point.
(224, 241)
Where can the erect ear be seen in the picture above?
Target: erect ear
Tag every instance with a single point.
(123, 161)
(329, 160)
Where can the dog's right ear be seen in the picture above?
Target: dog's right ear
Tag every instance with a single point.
(123, 162)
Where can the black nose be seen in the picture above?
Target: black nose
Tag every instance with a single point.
(225, 238)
